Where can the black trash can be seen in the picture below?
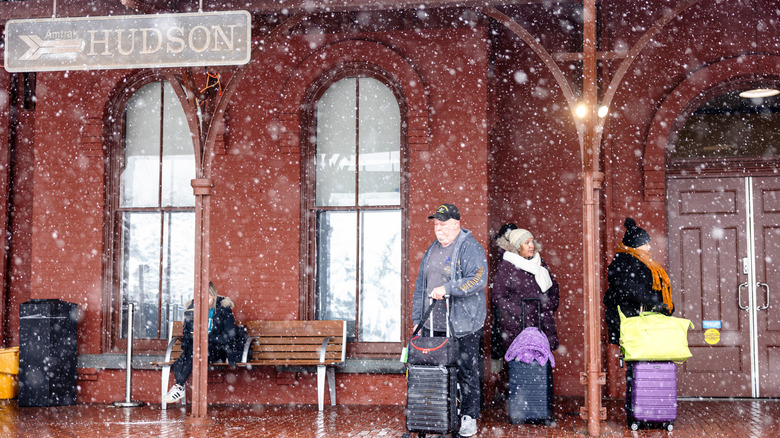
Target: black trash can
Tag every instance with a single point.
(47, 353)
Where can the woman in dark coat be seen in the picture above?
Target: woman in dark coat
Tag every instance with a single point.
(226, 341)
(523, 274)
(636, 281)
(501, 241)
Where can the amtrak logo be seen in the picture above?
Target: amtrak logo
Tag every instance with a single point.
(38, 47)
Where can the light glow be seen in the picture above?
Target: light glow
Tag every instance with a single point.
(582, 110)
(759, 92)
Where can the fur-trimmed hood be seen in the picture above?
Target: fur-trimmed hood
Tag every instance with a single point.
(221, 302)
(225, 302)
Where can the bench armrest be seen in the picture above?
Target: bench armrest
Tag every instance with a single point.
(169, 350)
(324, 348)
(247, 347)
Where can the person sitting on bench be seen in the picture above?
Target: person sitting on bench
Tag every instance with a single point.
(226, 341)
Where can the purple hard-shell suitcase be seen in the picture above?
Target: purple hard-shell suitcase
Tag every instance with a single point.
(651, 394)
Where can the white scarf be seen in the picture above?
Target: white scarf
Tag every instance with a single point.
(532, 266)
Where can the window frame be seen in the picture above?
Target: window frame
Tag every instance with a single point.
(309, 210)
(112, 339)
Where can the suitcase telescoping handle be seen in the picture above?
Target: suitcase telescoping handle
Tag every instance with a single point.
(538, 308)
(427, 313)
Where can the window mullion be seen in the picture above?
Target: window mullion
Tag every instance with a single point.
(160, 272)
(161, 146)
(358, 222)
(162, 212)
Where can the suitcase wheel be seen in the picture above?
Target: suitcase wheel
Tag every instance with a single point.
(669, 427)
(634, 425)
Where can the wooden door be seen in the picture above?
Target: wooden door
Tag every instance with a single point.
(723, 247)
(766, 213)
(706, 235)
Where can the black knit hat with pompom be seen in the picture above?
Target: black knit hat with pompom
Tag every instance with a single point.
(505, 229)
(635, 236)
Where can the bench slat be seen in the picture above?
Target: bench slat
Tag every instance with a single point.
(257, 346)
(278, 363)
(282, 355)
(295, 328)
(309, 340)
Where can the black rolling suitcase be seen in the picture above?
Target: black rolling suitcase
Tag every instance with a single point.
(530, 387)
(432, 389)
(431, 400)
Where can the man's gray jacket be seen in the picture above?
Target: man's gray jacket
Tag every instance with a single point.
(466, 287)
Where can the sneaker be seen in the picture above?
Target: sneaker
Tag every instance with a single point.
(175, 394)
(468, 426)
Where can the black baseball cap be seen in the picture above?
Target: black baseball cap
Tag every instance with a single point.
(445, 212)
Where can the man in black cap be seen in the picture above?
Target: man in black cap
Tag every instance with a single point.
(455, 265)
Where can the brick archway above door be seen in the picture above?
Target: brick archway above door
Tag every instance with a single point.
(686, 97)
(352, 52)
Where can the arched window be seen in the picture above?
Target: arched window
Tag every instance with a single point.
(355, 209)
(729, 129)
(153, 213)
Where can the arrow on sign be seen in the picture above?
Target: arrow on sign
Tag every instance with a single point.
(39, 47)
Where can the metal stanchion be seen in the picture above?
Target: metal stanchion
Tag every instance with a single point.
(128, 403)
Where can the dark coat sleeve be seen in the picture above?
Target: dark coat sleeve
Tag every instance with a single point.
(224, 329)
(226, 334)
(631, 288)
(550, 301)
(186, 338)
(502, 294)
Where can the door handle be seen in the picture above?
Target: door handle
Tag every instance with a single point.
(739, 296)
(766, 287)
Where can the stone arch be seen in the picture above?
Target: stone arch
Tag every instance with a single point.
(686, 97)
(345, 53)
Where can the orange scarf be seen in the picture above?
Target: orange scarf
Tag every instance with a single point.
(661, 281)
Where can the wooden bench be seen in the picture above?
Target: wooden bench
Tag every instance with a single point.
(280, 343)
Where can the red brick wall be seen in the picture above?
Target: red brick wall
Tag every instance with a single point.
(68, 184)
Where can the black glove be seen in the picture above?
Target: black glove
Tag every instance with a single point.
(661, 308)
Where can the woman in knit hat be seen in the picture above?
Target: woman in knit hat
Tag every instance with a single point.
(636, 281)
(523, 274)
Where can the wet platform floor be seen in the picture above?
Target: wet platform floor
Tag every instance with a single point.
(695, 418)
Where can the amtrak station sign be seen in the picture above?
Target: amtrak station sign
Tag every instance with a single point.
(128, 41)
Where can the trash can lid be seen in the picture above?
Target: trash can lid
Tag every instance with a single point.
(9, 360)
